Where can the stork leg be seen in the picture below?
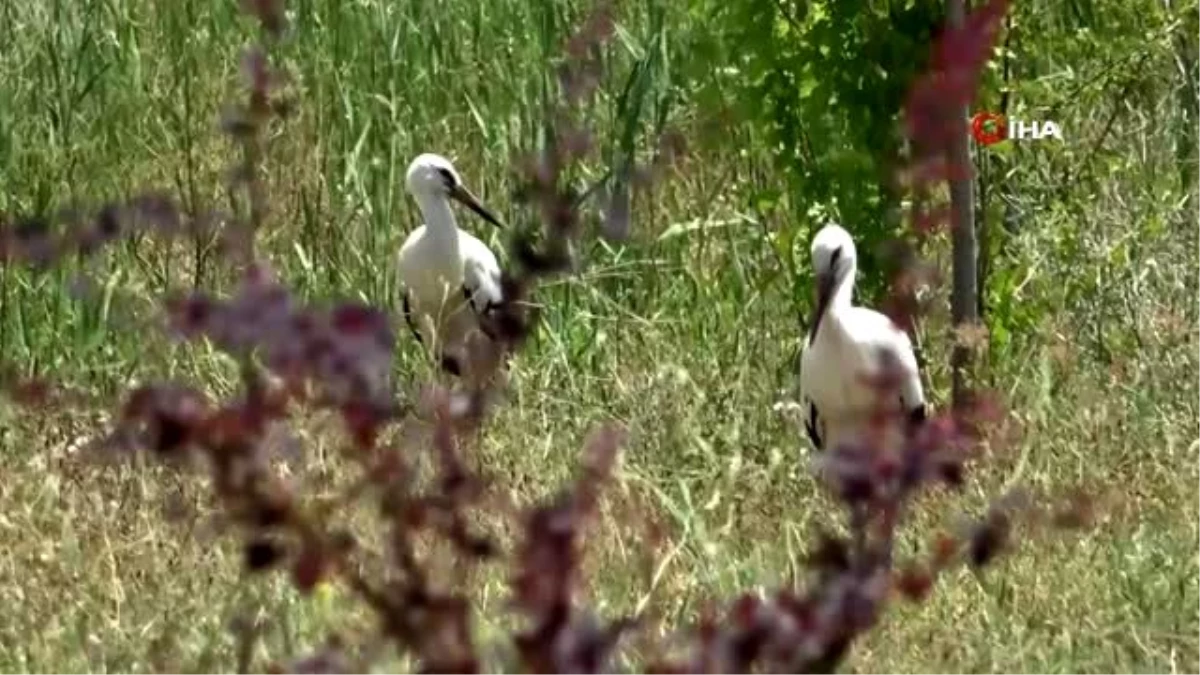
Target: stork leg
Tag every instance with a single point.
(448, 363)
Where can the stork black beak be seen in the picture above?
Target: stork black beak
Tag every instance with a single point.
(825, 284)
(464, 196)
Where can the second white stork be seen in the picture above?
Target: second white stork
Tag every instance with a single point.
(847, 348)
(448, 277)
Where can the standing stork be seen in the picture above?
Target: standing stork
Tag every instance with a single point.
(449, 278)
(847, 347)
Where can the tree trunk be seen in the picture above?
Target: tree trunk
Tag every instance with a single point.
(987, 166)
(963, 303)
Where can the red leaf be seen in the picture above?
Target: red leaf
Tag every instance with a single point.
(310, 568)
(914, 583)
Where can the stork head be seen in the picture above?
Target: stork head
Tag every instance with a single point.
(834, 260)
(432, 175)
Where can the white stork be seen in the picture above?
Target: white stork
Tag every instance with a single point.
(847, 347)
(449, 278)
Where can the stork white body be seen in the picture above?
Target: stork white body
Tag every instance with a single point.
(448, 277)
(846, 349)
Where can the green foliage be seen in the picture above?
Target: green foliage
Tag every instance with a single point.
(1106, 73)
(824, 82)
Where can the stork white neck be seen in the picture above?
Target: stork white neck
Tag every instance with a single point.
(843, 290)
(440, 223)
(840, 301)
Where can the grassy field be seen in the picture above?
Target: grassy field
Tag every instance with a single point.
(687, 335)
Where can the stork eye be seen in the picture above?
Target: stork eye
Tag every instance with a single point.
(446, 175)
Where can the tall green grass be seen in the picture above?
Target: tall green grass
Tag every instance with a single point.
(687, 334)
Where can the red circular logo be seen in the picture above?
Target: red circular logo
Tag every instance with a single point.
(989, 128)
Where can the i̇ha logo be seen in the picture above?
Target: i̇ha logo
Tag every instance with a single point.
(989, 128)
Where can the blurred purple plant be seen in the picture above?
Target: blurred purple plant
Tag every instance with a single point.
(340, 358)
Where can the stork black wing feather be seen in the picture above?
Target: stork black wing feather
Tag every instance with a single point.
(810, 425)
